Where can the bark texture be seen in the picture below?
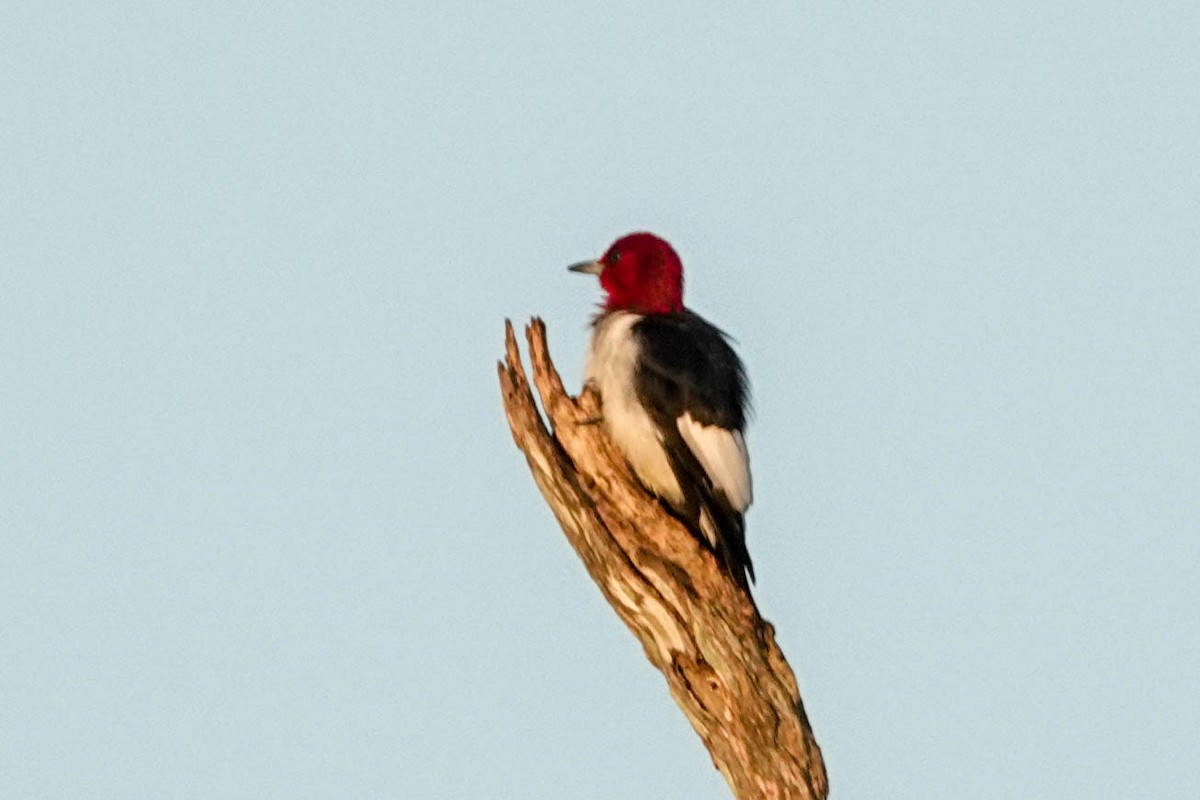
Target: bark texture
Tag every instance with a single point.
(697, 627)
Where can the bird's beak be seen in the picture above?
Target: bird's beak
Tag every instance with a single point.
(588, 267)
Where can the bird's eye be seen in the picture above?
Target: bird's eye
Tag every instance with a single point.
(613, 259)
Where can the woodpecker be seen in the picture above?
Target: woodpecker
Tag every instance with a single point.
(674, 394)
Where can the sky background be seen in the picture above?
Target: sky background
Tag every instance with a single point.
(264, 530)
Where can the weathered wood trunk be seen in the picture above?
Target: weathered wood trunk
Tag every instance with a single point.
(696, 625)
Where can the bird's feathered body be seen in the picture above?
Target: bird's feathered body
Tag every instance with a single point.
(674, 397)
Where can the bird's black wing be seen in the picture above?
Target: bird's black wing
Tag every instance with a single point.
(693, 364)
(687, 367)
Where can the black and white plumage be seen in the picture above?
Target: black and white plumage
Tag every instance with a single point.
(674, 395)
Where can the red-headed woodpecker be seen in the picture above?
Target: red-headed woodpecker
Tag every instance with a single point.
(674, 394)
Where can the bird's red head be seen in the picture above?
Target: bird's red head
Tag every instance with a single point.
(640, 272)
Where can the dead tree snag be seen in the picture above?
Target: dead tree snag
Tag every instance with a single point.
(700, 630)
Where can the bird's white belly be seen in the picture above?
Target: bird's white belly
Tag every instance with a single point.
(611, 367)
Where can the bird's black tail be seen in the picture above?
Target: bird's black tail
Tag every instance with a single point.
(727, 539)
(718, 525)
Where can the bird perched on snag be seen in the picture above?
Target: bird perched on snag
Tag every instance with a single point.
(674, 394)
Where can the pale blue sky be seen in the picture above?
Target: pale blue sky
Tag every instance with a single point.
(265, 534)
